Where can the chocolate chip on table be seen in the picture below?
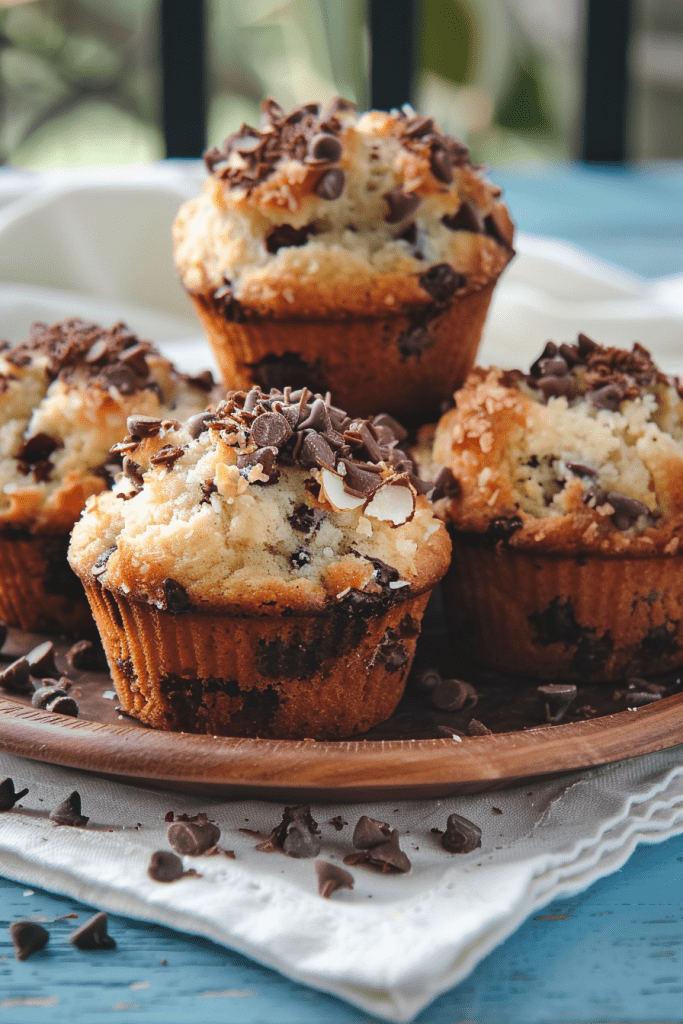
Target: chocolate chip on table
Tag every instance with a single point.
(331, 878)
(46, 693)
(41, 661)
(557, 698)
(454, 694)
(16, 677)
(331, 184)
(370, 832)
(627, 510)
(402, 205)
(193, 836)
(293, 818)
(477, 728)
(8, 796)
(143, 426)
(92, 934)
(387, 856)
(428, 679)
(69, 812)
(27, 937)
(338, 822)
(301, 843)
(84, 655)
(165, 866)
(461, 835)
(61, 704)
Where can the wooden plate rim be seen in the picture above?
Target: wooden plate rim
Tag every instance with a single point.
(282, 765)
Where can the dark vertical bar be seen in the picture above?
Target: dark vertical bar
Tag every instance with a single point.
(182, 69)
(606, 80)
(392, 52)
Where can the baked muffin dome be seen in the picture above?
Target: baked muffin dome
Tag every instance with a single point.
(291, 532)
(323, 217)
(575, 468)
(65, 395)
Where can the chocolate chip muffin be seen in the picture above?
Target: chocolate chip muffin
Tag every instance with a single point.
(344, 252)
(565, 504)
(65, 395)
(262, 570)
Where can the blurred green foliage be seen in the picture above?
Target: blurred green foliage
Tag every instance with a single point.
(80, 79)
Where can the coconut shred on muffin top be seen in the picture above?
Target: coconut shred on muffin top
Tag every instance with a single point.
(269, 503)
(584, 453)
(385, 204)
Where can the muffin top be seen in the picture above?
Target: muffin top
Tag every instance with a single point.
(267, 504)
(582, 454)
(327, 211)
(65, 395)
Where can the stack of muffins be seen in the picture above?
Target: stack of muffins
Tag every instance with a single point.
(262, 568)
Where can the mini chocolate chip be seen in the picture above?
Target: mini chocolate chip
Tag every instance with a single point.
(265, 458)
(553, 367)
(454, 694)
(44, 694)
(132, 471)
(84, 655)
(300, 843)
(194, 837)
(331, 184)
(445, 485)
(586, 345)
(92, 934)
(441, 281)
(338, 822)
(143, 426)
(317, 419)
(441, 165)
(608, 397)
(285, 236)
(198, 423)
(16, 677)
(428, 679)
(477, 728)
(8, 797)
(324, 148)
(315, 451)
(389, 856)
(165, 866)
(41, 661)
(461, 835)
(370, 832)
(331, 878)
(582, 469)
(557, 698)
(627, 511)
(38, 448)
(636, 699)
(419, 126)
(175, 596)
(554, 387)
(360, 482)
(204, 381)
(27, 937)
(118, 376)
(466, 218)
(305, 519)
(270, 428)
(136, 359)
(99, 566)
(383, 419)
(401, 205)
(62, 705)
(69, 812)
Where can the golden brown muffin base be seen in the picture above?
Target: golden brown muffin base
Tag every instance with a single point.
(322, 677)
(403, 364)
(574, 617)
(38, 590)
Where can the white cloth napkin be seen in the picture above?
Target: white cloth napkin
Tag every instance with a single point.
(97, 245)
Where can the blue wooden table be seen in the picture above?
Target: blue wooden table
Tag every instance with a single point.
(612, 954)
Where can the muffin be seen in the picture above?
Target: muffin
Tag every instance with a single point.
(65, 396)
(565, 505)
(344, 252)
(262, 570)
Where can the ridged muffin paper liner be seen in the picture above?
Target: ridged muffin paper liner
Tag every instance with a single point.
(391, 955)
(38, 590)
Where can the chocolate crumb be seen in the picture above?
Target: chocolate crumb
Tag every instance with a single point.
(16, 677)
(27, 938)
(46, 693)
(387, 856)
(454, 694)
(164, 866)
(477, 728)
(300, 843)
(69, 812)
(92, 934)
(169, 816)
(8, 797)
(461, 835)
(496, 810)
(299, 820)
(331, 878)
(338, 822)
(192, 837)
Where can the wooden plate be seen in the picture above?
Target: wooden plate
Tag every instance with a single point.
(104, 742)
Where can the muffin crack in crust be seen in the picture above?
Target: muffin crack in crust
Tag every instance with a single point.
(582, 454)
